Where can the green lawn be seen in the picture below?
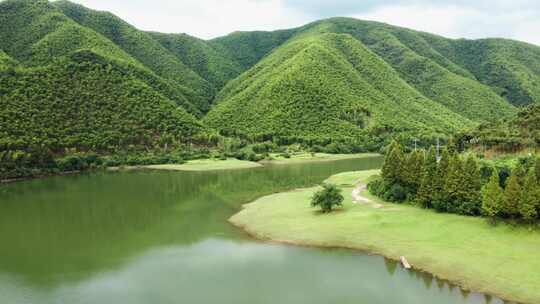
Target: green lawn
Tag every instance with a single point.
(309, 157)
(351, 178)
(208, 165)
(501, 260)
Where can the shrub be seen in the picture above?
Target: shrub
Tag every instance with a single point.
(327, 198)
(377, 187)
(397, 193)
(71, 163)
(469, 208)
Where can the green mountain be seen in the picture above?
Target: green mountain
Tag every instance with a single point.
(327, 85)
(73, 77)
(511, 68)
(142, 47)
(74, 88)
(415, 63)
(201, 57)
(52, 106)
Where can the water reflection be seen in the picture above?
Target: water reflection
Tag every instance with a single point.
(236, 271)
(162, 237)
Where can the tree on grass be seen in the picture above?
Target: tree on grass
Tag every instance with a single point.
(512, 196)
(440, 177)
(413, 169)
(393, 163)
(529, 198)
(425, 193)
(453, 186)
(493, 197)
(327, 198)
(472, 186)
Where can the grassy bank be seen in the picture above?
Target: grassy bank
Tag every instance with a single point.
(351, 178)
(207, 165)
(501, 260)
(232, 163)
(280, 159)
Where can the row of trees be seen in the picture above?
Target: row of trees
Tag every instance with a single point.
(456, 183)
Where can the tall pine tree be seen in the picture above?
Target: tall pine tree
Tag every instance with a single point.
(471, 187)
(521, 172)
(493, 196)
(453, 186)
(512, 196)
(393, 164)
(530, 199)
(412, 170)
(426, 191)
(440, 177)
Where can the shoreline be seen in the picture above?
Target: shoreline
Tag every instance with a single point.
(171, 167)
(367, 251)
(318, 157)
(423, 255)
(29, 178)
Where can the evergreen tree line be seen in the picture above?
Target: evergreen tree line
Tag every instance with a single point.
(456, 183)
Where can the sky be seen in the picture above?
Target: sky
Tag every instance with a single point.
(515, 19)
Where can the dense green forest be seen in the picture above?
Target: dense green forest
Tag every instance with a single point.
(460, 183)
(75, 80)
(515, 134)
(329, 86)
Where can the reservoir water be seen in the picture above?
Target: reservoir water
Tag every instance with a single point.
(163, 237)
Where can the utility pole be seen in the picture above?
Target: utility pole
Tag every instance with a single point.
(415, 140)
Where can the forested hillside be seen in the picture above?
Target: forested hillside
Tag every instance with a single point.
(66, 86)
(329, 86)
(514, 134)
(76, 78)
(197, 54)
(507, 67)
(52, 106)
(145, 50)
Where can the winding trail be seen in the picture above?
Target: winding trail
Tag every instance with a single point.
(359, 199)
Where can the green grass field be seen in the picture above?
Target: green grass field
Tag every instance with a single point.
(208, 165)
(351, 178)
(501, 260)
(278, 159)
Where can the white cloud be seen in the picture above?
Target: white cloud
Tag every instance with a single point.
(460, 21)
(203, 18)
(516, 19)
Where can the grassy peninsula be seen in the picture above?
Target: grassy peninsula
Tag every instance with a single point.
(465, 250)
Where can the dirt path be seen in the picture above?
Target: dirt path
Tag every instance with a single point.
(359, 199)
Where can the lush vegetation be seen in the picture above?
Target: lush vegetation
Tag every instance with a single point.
(327, 198)
(455, 183)
(78, 80)
(461, 74)
(201, 57)
(143, 48)
(500, 260)
(518, 133)
(323, 88)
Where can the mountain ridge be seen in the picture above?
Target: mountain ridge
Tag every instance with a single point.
(374, 80)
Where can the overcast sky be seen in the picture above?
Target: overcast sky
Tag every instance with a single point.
(516, 19)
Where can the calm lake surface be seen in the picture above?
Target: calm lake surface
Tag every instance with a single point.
(163, 237)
